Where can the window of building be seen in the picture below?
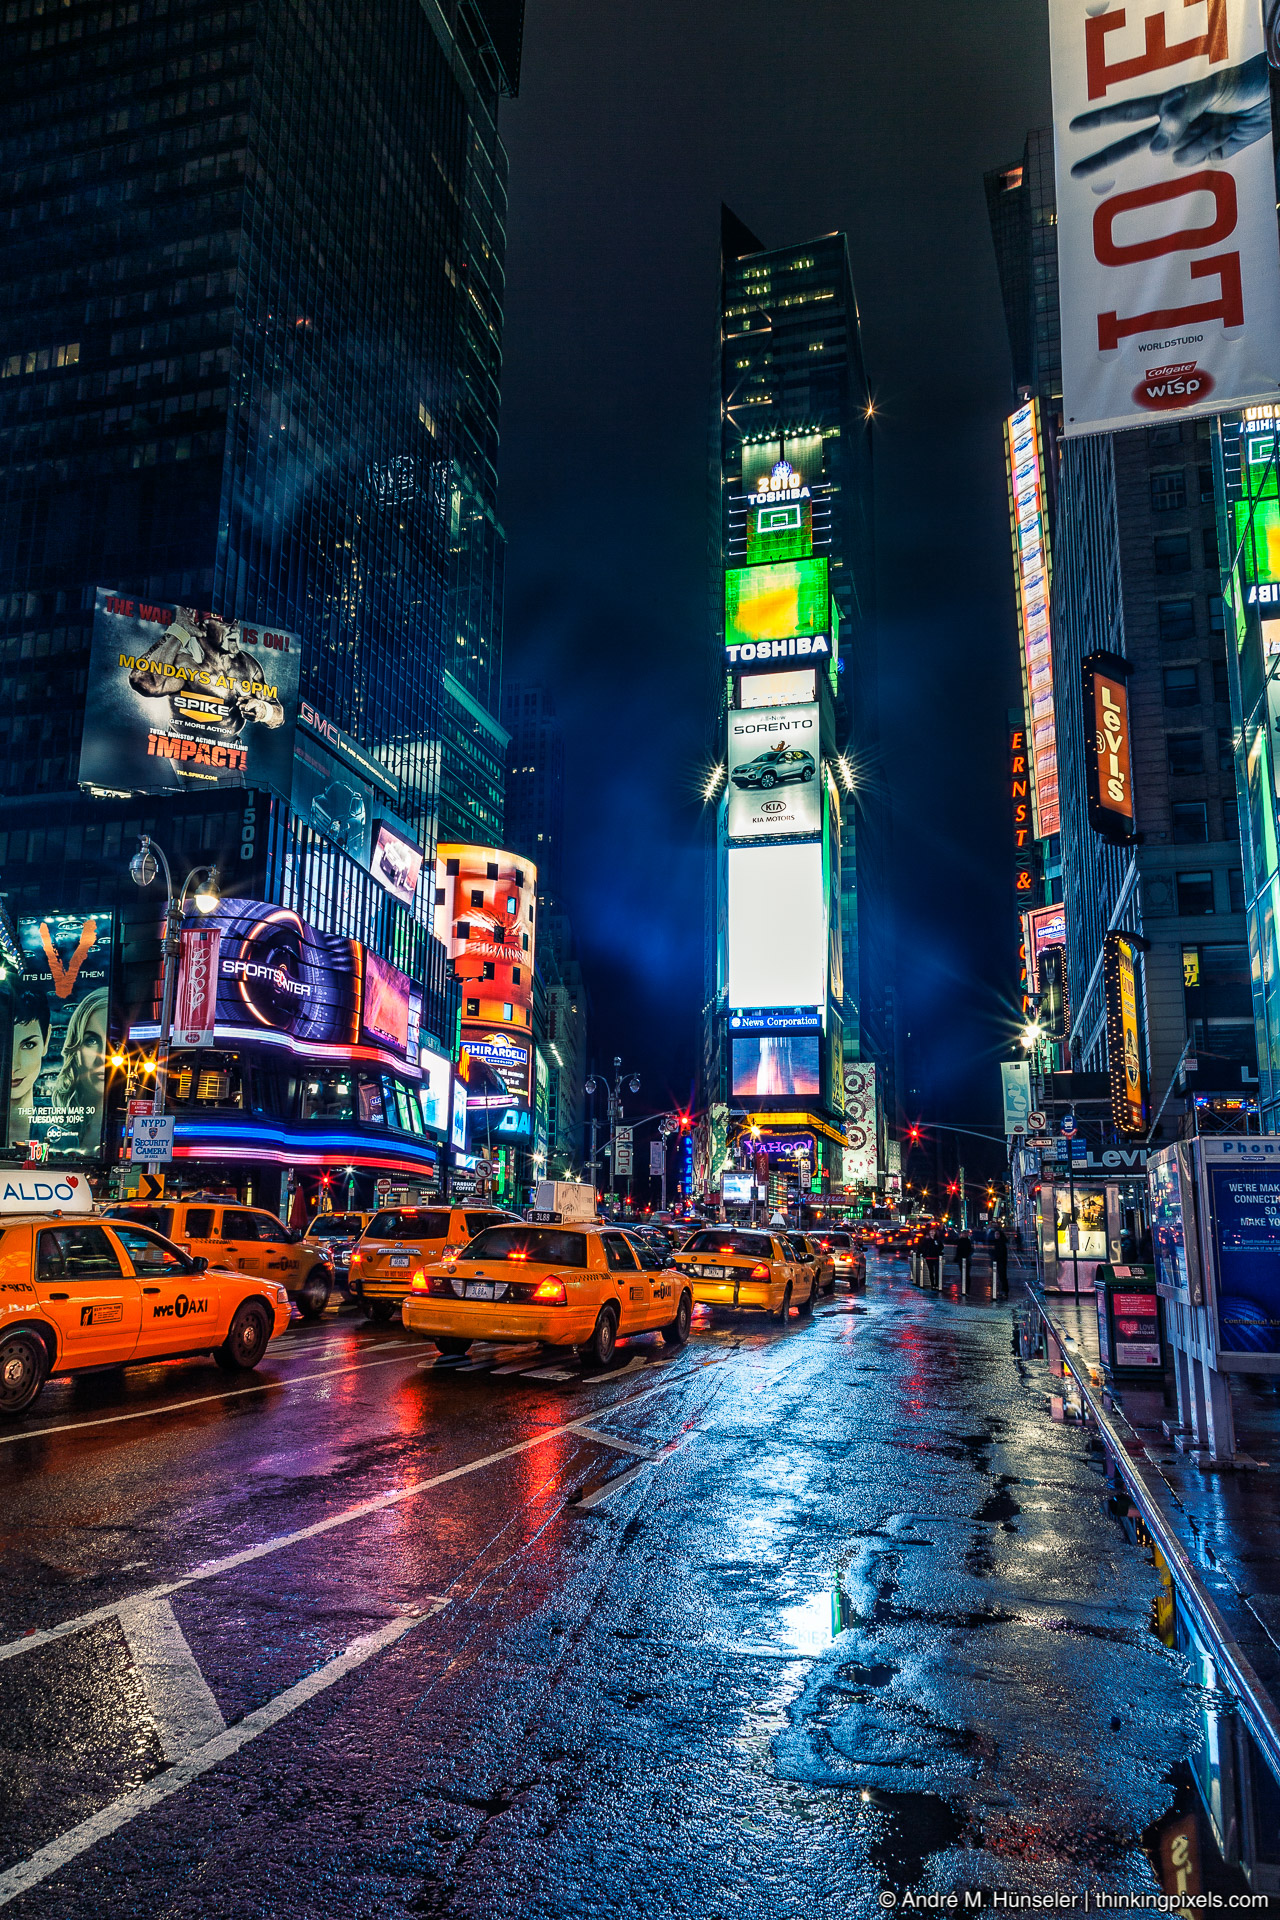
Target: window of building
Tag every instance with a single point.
(1172, 552)
(329, 1096)
(1235, 889)
(1181, 687)
(1226, 750)
(1230, 819)
(1220, 688)
(1168, 490)
(1211, 547)
(1186, 752)
(486, 970)
(1195, 894)
(1170, 436)
(477, 896)
(1204, 476)
(1190, 821)
(1177, 620)
(1219, 1005)
(473, 1009)
(1217, 614)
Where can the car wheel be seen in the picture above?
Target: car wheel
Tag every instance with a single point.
(784, 1311)
(604, 1338)
(313, 1295)
(768, 780)
(246, 1341)
(24, 1368)
(450, 1343)
(678, 1332)
(807, 1304)
(807, 774)
(380, 1310)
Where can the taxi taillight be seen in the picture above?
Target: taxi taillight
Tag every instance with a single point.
(759, 1273)
(551, 1292)
(420, 1279)
(356, 1258)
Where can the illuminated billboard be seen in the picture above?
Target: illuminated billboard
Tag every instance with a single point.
(774, 760)
(485, 904)
(775, 602)
(332, 799)
(384, 1005)
(779, 514)
(1029, 524)
(396, 862)
(60, 1009)
(1124, 1050)
(776, 1065)
(791, 688)
(1108, 764)
(1256, 515)
(777, 926)
(180, 701)
(861, 1125)
(433, 1094)
(1043, 929)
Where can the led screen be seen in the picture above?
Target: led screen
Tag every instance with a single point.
(332, 799)
(736, 1188)
(396, 863)
(775, 602)
(484, 914)
(777, 927)
(434, 1091)
(779, 689)
(774, 762)
(384, 1012)
(60, 1008)
(458, 1127)
(775, 1064)
(779, 529)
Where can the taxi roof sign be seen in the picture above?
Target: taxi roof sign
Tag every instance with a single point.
(25, 1191)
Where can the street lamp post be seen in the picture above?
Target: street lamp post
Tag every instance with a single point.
(143, 867)
(613, 1094)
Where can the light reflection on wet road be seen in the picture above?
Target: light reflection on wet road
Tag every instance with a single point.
(862, 1623)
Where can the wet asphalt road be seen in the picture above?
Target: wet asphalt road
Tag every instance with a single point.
(840, 1612)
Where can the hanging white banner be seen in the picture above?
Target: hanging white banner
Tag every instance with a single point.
(1168, 259)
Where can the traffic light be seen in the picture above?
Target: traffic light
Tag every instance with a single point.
(913, 1134)
(685, 1122)
(953, 1186)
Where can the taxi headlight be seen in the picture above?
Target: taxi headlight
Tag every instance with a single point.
(282, 1296)
(551, 1292)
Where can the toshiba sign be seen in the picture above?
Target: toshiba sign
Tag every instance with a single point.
(1168, 263)
(1108, 760)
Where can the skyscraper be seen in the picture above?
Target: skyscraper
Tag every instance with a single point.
(535, 780)
(792, 599)
(253, 277)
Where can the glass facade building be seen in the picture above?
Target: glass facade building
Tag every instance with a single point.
(253, 283)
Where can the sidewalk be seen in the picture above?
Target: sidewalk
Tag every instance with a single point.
(1227, 1522)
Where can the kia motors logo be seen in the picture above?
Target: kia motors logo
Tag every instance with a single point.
(773, 806)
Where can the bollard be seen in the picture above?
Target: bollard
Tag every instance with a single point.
(964, 1277)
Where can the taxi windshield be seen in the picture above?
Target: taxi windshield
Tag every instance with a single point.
(713, 1240)
(334, 1226)
(540, 1246)
(409, 1224)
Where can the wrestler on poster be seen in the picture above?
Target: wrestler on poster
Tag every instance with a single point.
(180, 700)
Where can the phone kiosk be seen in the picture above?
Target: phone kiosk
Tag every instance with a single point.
(1215, 1231)
(1079, 1231)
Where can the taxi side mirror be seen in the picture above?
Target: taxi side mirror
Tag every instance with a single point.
(199, 1264)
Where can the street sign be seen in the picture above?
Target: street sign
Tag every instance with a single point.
(622, 1159)
(152, 1137)
(1067, 1125)
(623, 1136)
(657, 1157)
(382, 1186)
(1035, 1123)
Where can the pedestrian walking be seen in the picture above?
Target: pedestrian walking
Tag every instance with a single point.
(1000, 1261)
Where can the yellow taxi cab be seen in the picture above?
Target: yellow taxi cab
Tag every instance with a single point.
(398, 1239)
(339, 1233)
(748, 1270)
(79, 1291)
(567, 1286)
(244, 1239)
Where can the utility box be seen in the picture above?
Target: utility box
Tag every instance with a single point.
(564, 1201)
(1130, 1334)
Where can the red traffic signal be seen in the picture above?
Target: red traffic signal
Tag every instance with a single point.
(953, 1186)
(913, 1133)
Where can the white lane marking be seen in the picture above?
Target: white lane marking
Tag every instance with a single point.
(610, 1486)
(548, 1373)
(178, 1695)
(58, 1853)
(622, 1446)
(205, 1399)
(633, 1365)
(41, 1636)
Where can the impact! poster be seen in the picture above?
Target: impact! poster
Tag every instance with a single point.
(58, 1078)
(180, 700)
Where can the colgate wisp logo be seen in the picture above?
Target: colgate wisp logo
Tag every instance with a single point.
(1184, 385)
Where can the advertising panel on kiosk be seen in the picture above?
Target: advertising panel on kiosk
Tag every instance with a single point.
(60, 1021)
(182, 700)
(1239, 1195)
(1174, 1245)
(485, 915)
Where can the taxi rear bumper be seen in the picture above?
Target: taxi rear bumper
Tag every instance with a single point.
(748, 1296)
(429, 1315)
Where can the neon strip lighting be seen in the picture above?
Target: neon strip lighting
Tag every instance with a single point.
(197, 1141)
(316, 1050)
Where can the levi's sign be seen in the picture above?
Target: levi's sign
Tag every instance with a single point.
(1168, 263)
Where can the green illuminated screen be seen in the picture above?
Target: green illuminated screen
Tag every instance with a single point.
(1256, 518)
(780, 530)
(774, 602)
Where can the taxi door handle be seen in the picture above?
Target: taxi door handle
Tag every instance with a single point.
(151, 1289)
(59, 1296)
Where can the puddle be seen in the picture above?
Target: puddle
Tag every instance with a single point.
(811, 1625)
(915, 1825)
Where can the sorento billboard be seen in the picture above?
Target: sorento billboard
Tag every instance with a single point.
(485, 913)
(180, 700)
(777, 927)
(60, 1011)
(774, 761)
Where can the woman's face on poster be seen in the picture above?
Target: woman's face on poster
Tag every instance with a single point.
(91, 1063)
(29, 1048)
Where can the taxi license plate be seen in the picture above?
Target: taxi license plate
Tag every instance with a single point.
(480, 1290)
(714, 1273)
(398, 1260)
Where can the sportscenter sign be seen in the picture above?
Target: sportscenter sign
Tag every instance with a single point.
(1168, 261)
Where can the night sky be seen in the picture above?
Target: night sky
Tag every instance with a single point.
(633, 124)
